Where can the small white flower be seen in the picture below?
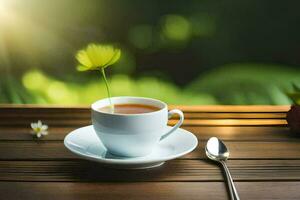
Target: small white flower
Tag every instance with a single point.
(39, 129)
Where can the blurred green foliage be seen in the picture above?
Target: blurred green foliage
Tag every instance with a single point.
(229, 84)
(295, 94)
(181, 52)
(41, 89)
(248, 83)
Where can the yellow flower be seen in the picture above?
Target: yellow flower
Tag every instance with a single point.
(97, 56)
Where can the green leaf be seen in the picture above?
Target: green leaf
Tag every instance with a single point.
(296, 87)
(295, 97)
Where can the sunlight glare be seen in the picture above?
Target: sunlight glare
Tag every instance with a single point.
(4, 10)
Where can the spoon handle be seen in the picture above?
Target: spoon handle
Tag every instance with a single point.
(230, 180)
(231, 194)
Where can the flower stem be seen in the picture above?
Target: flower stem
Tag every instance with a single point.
(107, 88)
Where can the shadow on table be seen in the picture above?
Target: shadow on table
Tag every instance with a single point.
(91, 171)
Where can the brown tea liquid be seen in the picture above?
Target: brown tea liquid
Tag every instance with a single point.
(130, 108)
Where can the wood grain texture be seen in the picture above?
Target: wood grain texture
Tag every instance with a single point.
(265, 157)
(176, 170)
(55, 150)
(71, 121)
(158, 191)
(244, 133)
(85, 114)
(195, 115)
(186, 108)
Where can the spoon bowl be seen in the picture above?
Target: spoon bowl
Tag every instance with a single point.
(216, 150)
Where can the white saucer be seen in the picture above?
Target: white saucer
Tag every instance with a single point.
(85, 143)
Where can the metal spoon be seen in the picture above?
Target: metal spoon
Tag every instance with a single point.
(216, 150)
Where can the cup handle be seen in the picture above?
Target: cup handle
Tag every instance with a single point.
(177, 125)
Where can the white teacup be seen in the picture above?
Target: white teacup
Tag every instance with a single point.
(133, 135)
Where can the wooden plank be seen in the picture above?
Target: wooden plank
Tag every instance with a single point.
(190, 108)
(46, 150)
(187, 122)
(42, 115)
(62, 113)
(176, 170)
(190, 115)
(233, 108)
(232, 122)
(261, 133)
(137, 191)
(18, 116)
(243, 133)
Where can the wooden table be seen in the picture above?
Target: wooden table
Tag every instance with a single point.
(264, 159)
